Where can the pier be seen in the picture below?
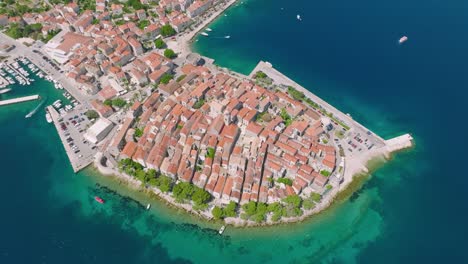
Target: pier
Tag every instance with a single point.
(19, 100)
(86, 155)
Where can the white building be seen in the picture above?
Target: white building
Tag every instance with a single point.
(99, 130)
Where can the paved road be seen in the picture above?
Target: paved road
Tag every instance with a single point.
(22, 50)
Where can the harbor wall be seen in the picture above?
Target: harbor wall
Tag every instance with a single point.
(19, 100)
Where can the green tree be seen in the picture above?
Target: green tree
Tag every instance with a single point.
(308, 204)
(315, 197)
(250, 208)
(210, 153)
(164, 183)
(119, 102)
(200, 196)
(166, 78)
(286, 117)
(217, 212)
(183, 191)
(143, 24)
(260, 75)
(230, 210)
(159, 43)
(199, 104)
(285, 181)
(91, 114)
(108, 102)
(168, 53)
(167, 31)
(138, 132)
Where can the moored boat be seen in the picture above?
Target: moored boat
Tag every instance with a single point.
(99, 199)
(221, 230)
(148, 206)
(204, 34)
(48, 118)
(6, 90)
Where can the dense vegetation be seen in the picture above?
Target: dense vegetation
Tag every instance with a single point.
(228, 211)
(13, 8)
(117, 102)
(150, 176)
(184, 191)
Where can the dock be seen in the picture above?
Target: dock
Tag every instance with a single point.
(77, 161)
(19, 100)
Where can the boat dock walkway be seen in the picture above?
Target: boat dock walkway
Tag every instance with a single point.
(19, 100)
(86, 155)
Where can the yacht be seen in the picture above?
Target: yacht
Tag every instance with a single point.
(403, 40)
(208, 29)
(204, 34)
(48, 118)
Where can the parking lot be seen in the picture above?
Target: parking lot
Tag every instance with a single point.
(71, 129)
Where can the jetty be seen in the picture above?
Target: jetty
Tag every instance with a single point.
(78, 162)
(19, 100)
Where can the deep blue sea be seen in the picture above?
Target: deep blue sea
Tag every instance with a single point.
(412, 209)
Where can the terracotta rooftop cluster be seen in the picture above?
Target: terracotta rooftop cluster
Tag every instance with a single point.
(205, 130)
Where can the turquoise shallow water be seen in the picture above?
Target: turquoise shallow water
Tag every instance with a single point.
(412, 209)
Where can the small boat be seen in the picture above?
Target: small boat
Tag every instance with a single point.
(299, 17)
(48, 118)
(35, 109)
(208, 29)
(221, 230)
(99, 199)
(204, 34)
(6, 90)
(148, 206)
(403, 40)
(227, 36)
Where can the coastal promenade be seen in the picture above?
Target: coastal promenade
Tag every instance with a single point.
(280, 78)
(24, 51)
(19, 100)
